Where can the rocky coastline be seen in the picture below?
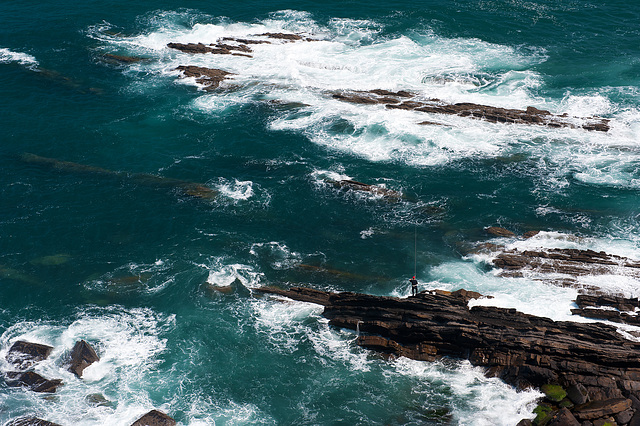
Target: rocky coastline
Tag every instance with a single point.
(589, 373)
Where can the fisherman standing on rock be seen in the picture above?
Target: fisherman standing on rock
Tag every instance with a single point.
(414, 286)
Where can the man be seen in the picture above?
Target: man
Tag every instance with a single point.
(414, 286)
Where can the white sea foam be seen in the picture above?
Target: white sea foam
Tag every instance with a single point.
(617, 280)
(478, 400)
(277, 254)
(9, 56)
(349, 54)
(128, 343)
(236, 190)
(222, 273)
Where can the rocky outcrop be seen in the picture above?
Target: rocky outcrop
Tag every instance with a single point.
(352, 185)
(23, 355)
(30, 421)
(573, 262)
(154, 418)
(592, 361)
(217, 49)
(608, 307)
(82, 356)
(31, 380)
(210, 78)
(282, 36)
(407, 101)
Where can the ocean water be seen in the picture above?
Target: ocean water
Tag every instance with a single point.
(119, 254)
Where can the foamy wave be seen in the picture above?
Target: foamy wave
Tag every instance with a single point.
(478, 400)
(236, 190)
(350, 55)
(277, 254)
(223, 274)
(9, 56)
(134, 277)
(128, 343)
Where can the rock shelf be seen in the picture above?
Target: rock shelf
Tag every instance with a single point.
(523, 350)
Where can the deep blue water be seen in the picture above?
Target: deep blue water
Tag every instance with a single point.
(118, 253)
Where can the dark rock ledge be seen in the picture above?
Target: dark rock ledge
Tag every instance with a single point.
(409, 101)
(210, 78)
(593, 371)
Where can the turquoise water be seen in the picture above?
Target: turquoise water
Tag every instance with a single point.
(130, 263)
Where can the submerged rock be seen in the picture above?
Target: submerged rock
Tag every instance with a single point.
(115, 59)
(499, 232)
(154, 418)
(82, 356)
(99, 400)
(32, 380)
(53, 260)
(192, 189)
(23, 355)
(347, 184)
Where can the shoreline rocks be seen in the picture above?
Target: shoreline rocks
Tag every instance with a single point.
(593, 362)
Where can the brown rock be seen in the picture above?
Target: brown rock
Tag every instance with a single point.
(577, 393)
(563, 418)
(598, 409)
(208, 77)
(23, 354)
(191, 47)
(282, 36)
(624, 417)
(82, 356)
(523, 350)
(32, 380)
(499, 232)
(492, 114)
(154, 418)
(30, 421)
(605, 422)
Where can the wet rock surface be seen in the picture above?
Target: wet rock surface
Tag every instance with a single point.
(573, 262)
(599, 368)
(30, 421)
(82, 356)
(352, 185)
(217, 49)
(23, 355)
(154, 418)
(210, 78)
(532, 115)
(31, 380)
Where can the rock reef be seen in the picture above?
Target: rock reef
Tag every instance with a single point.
(523, 350)
(409, 101)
